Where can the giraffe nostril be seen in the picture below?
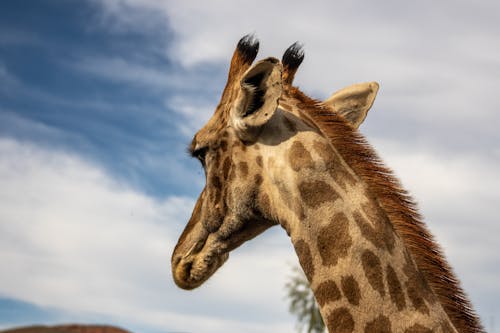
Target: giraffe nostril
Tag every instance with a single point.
(188, 267)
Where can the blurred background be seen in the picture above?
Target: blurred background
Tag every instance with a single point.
(99, 99)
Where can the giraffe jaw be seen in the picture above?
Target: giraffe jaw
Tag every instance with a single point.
(192, 271)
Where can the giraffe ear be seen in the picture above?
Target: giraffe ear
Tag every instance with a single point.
(260, 90)
(353, 102)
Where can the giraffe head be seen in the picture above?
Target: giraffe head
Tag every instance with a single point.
(238, 201)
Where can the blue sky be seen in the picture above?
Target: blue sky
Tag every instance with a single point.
(62, 64)
(99, 99)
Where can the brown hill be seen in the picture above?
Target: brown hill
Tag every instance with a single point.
(66, 329)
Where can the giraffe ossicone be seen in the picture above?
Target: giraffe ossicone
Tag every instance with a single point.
(273, 156)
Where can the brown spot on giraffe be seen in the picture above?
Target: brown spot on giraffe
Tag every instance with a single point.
(350, 288)
(416, 277)
(316, 192)
(333, 164)
(334, 240)
(258, 160)
(342, 176)
(258, 179)
(305, 257)
(381, 324)
(369, 232)
(243, 168)
(215, 163)
(324, 151)
(216, 189)
(228, 198)
(327, 291)
(417, 288)
(239, 146)
(415, 296)
(377, 215)
(223, 145)
(373, 271)
(417, 328)
(298, 209)
(395, 288)
(340, 321)
(299, 158)
(232, 173)
(226, 166)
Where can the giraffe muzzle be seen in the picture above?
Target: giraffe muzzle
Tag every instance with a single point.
(192, 270)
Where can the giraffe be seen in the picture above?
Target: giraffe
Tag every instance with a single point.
(274, 156)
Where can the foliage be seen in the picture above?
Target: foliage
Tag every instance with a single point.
(303, 304)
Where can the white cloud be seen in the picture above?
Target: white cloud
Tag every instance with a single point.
(7, 80)
(195, 112)
(13, 37)
(74, 238)
(121, 70)
(458, 197)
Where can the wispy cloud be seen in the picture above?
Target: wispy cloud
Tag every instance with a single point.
(194, 112)
(165, 79)
(14, 37)
(124, 71)
(8, 82)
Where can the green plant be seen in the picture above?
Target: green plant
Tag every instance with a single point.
(303, 304)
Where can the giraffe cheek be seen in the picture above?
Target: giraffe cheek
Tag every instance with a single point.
(214, 208)
(213, 219)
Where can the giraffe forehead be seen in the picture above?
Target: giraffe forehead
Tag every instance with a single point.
(215, 128)
(214, 139)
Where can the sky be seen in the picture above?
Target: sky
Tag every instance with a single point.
(99, 99)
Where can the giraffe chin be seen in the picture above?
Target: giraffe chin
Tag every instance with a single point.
(190, 273)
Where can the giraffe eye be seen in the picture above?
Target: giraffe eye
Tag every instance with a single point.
(200, 154)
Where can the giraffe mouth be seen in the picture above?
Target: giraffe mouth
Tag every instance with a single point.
(198, 259)
(192, 271)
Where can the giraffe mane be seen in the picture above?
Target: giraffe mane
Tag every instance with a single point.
(399, 206)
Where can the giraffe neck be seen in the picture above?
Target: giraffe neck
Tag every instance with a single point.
(359, 270)
(361, 273)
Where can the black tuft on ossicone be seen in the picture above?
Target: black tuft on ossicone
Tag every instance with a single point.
(248, 46)
(293, 56)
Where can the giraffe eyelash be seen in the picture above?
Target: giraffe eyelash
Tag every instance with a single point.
(199, 154)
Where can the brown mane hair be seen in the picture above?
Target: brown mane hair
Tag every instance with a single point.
(399, 206)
